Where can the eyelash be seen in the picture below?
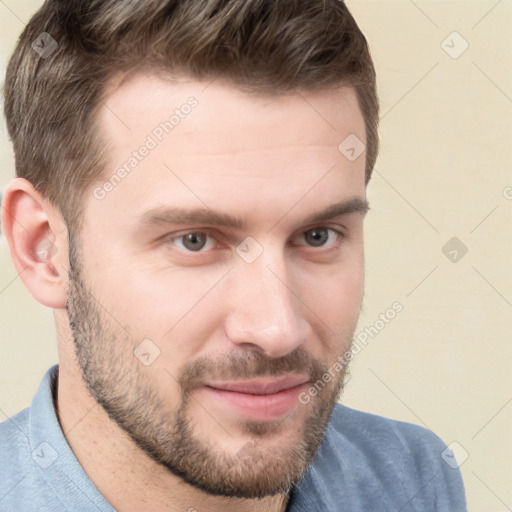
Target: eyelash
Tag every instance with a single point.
(209, 234)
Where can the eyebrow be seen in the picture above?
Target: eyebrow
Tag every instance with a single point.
(164, 215)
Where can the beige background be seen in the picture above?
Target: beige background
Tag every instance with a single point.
(443, 172)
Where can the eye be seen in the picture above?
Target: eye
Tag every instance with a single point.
(194, 241)
(320, 237)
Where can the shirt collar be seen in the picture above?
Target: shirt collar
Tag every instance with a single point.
(54, 458)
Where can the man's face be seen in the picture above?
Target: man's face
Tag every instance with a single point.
(215, 280)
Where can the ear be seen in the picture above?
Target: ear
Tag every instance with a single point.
(37, 238)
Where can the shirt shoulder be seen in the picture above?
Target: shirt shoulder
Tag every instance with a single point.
(21, 483)
(378, 438)
(38, 470)
(369, 462)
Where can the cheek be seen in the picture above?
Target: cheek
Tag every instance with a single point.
(339, 284)
(334, 297)
(343, 297)
(173, 308)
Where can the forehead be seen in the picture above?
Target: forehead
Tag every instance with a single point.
(178, 139)
(144, 100)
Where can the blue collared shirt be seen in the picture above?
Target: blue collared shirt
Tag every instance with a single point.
(366, 463)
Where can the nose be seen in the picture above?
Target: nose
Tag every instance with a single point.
(267, 312)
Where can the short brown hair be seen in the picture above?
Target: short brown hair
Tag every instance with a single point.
(261, 46)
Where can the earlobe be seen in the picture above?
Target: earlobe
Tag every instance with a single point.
(36, 234)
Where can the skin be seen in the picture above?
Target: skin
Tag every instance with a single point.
(271, 162)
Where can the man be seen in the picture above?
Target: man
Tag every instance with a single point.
(190, 200)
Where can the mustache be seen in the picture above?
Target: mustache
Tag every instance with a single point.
(249, 365)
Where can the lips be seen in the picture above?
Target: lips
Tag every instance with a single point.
(267, 386)
(263, 399)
